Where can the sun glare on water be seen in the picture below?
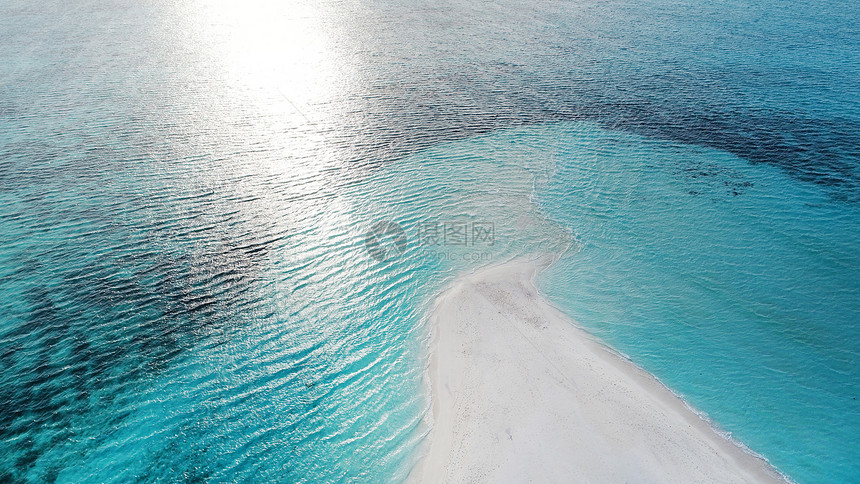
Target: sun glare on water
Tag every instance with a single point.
(279, 51)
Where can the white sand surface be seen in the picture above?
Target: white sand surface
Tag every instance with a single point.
(521, 394)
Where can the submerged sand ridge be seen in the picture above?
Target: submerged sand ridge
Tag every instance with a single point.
(521, 394)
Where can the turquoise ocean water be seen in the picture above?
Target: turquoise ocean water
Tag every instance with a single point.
(197, 283)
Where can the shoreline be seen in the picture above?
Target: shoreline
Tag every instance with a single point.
(521, 393)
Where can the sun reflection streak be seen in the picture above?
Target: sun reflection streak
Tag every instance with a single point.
(280, 61)
(278, 51)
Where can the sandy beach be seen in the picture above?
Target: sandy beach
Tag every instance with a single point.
(521, 394)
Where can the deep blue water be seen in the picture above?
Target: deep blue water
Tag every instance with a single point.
(185, 286)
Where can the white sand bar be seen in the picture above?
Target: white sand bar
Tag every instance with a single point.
(521, 394)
